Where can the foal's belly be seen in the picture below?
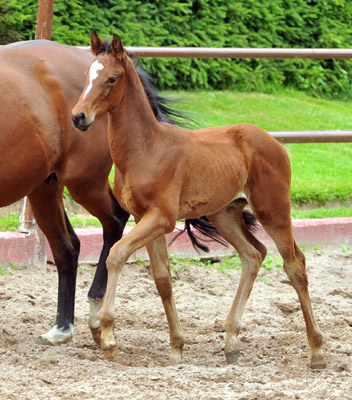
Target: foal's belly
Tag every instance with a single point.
(194, 207)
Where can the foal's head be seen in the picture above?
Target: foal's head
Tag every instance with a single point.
(104, 84)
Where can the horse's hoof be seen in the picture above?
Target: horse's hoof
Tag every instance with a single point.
(174, 361)
(318, 364)
(110, 353)
(55, 336)
(232, 357)
(43, 341)
(96, 333)
(318, 361)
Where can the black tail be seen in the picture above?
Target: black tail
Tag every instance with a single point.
(250, 221)
(207, 230)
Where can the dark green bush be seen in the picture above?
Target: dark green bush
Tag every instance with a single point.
(209, 23)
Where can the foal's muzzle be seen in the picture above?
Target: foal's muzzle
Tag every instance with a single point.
(80, 121)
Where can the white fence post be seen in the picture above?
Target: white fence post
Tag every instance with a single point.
(28, 225)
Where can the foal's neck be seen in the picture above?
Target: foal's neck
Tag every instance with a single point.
(132, 124)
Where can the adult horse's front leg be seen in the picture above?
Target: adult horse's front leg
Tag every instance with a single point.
(48, 210)
(101, 203)
(149, 228)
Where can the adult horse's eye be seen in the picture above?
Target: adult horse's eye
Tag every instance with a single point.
(111, 81)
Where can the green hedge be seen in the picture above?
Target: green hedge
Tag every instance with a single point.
(210, 23)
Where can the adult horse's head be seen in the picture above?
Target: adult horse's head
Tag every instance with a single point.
(104, 83)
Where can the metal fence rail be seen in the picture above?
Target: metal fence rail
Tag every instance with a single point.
(338, 136)
(210, 52)
(235, 52)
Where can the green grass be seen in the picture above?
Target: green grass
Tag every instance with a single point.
(222, 264)
(84, 222)
(9, 223)
(287, 110)
(322, 212)
(321, 172)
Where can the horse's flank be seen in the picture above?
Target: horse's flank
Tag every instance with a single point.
(35, 117)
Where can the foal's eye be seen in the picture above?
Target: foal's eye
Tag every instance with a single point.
(111, 81)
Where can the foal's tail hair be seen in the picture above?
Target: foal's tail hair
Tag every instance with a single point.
(208, 231)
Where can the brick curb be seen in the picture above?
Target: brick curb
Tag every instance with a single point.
(19, 248)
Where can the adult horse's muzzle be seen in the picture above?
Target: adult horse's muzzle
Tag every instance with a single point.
(80, 121)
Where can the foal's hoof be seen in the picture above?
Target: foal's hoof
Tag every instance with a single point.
(174, 361)
(318, 364)
(232, 357)
(318, 361)
(110, 353)
(96, 333)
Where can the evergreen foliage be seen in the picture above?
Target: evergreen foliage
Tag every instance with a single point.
(208, 23)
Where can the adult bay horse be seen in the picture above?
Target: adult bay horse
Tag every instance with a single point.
(42, 153)
(164, 172)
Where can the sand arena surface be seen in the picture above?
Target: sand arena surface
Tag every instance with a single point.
(274, 362)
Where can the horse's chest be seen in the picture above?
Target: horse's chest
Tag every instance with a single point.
(127, 197)
(124, 196)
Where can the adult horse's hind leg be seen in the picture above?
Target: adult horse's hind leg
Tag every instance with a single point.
(229, 223)
(158, 255)
(48, 210)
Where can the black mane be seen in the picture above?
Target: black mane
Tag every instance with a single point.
(105, 47)
(160, 105)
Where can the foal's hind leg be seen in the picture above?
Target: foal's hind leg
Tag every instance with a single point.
(295, 267)
(229, 223)
(158, 255)
(277, 223)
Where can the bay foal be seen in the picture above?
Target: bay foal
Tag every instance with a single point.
(165, 173)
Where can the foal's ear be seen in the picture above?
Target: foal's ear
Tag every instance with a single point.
(96, 43)
(116, 47)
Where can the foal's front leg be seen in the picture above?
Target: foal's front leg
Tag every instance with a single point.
(159, 259)
(150, 227)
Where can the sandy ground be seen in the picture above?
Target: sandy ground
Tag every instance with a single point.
(274, 362)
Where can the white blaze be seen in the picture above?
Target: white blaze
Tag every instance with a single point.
(93, 74)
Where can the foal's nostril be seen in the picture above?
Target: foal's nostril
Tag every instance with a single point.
(79, 119)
